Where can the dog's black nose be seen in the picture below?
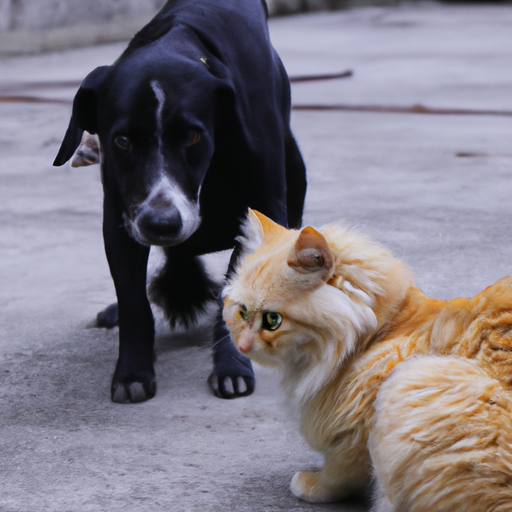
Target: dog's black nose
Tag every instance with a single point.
(160, 227)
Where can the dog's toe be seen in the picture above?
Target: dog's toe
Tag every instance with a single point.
(231, 387)
(232, 375)
(133, 391)
(119, 394)
(137, 392)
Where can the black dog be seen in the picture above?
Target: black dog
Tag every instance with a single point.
(193, 124)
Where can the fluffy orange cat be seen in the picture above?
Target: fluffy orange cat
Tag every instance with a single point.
(340, 318)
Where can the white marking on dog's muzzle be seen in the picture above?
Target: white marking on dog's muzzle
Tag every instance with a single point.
(165, 191)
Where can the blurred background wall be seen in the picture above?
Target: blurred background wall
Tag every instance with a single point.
(40, 25)
(47, 14)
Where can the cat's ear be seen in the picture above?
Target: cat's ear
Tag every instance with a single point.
(269, 229)
(252, 232)
(311, 253)
(256, 229)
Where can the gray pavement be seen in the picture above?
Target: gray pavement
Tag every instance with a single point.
(64, 445)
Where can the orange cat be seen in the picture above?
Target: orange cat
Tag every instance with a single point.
(336, 313)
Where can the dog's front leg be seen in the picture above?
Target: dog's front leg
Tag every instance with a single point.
(232, 375)
(134, 377)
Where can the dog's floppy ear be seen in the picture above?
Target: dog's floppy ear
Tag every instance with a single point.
(83, 117)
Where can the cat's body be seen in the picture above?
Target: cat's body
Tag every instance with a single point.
(336, 314)
(441, 438)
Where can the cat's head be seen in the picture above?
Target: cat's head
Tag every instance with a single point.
(302, 301)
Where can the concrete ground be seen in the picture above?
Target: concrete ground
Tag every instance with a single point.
(64, 445)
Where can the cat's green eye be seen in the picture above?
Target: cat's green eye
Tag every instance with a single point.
(271, 321)
(243, 312)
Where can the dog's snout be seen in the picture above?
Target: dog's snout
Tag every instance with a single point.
(161, 226)
(166, 218)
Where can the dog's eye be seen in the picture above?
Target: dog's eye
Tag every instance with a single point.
(243, 312)
(123, 142)
(271, 321)
(193, 137)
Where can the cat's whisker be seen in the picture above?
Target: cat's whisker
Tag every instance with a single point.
(221, 340)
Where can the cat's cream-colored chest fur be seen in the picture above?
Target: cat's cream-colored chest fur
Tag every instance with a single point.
(337, 420)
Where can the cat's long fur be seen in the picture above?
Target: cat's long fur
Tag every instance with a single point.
(351, 315)
(441, 438)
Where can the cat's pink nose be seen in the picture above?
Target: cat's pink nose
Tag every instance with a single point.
(244, 344)
(244, 348)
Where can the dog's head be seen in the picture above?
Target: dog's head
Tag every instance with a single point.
(155, 112)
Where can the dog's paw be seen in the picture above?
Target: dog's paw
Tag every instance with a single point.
(108, 317)
(88, 152)
(133, 389)
(232, 377)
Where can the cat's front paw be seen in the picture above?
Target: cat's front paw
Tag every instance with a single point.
(308, 486)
